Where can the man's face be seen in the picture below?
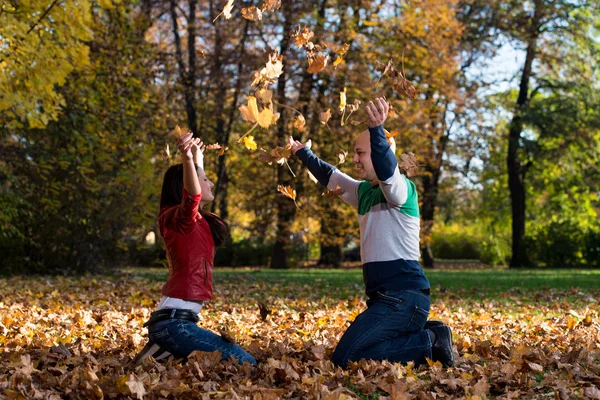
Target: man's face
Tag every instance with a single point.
(362, 157)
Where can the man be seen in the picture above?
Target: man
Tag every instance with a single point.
(394, 327)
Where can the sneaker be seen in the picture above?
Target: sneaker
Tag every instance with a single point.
(441, 350)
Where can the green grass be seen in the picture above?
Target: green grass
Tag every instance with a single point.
(488, 280)
(529, 285)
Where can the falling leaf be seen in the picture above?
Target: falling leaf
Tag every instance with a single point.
(301, 36)
(264, 96)
(341, 52)
(271, 5)
(179, 132)
(249, 143)
(266, 117)
(408, 165)
(287, 191)
(250, 112)
(397, 79)
(201, 52)
(312, 177)
(252, 13)
(392, 113)
(354, 106)
(166, 154)
(325, 116)
(272, 70)
(300, 123)
(217, 146)
(264, 310)
(343, 100)
(342, 156)
(317, 63)
(226, 10)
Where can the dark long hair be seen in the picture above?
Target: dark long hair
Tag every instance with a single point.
(171, 195)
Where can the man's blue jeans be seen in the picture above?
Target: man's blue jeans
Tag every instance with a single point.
(391, 328)
(180, 338)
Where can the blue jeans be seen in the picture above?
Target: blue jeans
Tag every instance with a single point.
(181, 337)
(391, 328)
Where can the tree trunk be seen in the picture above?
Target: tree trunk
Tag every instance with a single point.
(188, 77)
(516, 171)
(286, 210)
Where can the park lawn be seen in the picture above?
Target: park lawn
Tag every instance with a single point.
(518, 334)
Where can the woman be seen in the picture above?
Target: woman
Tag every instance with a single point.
(191, 236)
(394, 327)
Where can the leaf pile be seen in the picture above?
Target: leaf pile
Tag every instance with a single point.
(75, 338)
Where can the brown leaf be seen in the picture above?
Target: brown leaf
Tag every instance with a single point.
(408, 165)
(252, 13)
(342, 156)
(217, 146)
(226, 335)
(317, 63)
(312, 177)
(136, 387)
(325, 116)
(287, 191)
(301, 36)
(264, 310)
(271, 5)
(533, 367)
(592, 393)
(272, 70)
(397, 79)
(300, 123)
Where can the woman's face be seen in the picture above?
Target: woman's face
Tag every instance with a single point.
(206, 187)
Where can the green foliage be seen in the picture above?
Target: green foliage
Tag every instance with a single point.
(41, 43)
(479, 240)
(87, 190)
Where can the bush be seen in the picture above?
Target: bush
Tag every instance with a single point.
(471, 242)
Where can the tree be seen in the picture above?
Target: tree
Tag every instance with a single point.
(41, 43)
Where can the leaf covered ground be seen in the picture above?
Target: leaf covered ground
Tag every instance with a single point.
(518, 334)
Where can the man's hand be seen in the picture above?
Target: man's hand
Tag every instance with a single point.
(296, 145)
(377, 111)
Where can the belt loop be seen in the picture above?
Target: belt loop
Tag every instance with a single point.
(173, 311)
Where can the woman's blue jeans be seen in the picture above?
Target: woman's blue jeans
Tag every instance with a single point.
(391, 328)
(181, 337)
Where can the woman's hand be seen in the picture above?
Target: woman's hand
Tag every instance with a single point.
(377, 111)
(185, 144)
(296, 145)
(198, 152)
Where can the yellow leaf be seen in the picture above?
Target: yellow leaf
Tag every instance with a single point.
(265, 117)
(250, 112)
(249, 143)
(343, 100)
(300, 123)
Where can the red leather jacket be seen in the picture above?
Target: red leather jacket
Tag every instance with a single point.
(190, 250)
